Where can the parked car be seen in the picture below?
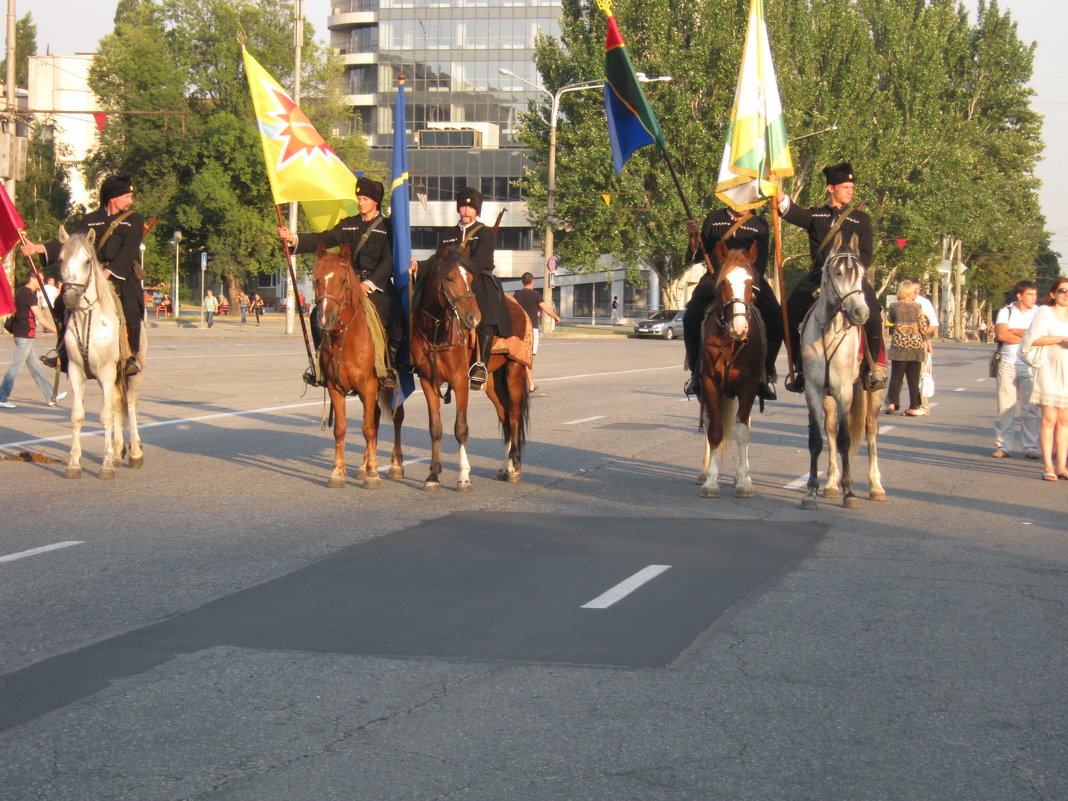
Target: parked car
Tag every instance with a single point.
(666, 323)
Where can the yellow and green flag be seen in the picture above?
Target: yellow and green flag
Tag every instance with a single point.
(300, 164)
(756, 153)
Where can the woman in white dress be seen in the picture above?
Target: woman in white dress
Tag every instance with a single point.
(1048, 335)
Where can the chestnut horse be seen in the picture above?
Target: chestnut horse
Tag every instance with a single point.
(444, 318)
(347, 361)
(92, 340)
(732, 368)
(830, 352)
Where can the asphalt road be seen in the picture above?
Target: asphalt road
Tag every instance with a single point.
(220, 625)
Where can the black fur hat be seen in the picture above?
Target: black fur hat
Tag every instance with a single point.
(114, 186)
(470, 197)
(371, 189)
(839, 173)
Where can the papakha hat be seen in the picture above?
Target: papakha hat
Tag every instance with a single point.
(371, 189)
(114, 186)
(839, 173)
(470, 197)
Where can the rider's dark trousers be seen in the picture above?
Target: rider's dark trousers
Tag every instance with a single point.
(801, 300)
(132, 298)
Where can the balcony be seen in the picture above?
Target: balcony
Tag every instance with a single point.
(337, 22)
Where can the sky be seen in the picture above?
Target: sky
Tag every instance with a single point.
(75, 26)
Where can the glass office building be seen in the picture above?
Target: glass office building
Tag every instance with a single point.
(461, 110)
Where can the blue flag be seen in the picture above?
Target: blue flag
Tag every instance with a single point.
(399, 215)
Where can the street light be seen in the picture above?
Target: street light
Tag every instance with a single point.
(175, 305)
(550, 187)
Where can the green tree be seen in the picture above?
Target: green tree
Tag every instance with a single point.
(932, 109)
(202, 171)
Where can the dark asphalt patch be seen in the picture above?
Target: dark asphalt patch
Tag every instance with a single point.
(472, 585)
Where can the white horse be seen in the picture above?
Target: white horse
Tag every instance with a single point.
(92, 342)
(830, 352)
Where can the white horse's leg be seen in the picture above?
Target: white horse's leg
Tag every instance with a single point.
(743, 486)
(871, 424)
(133, 387)
(118, 427)
(703, 475)
(77, 418)
(106, 375)
(463, 483)
(710, 488)
(832, 406)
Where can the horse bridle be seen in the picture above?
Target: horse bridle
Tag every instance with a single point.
(340, 303)
(840, 299)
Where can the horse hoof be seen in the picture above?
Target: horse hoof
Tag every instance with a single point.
(137, 461)
(877, 495)
(73, 472)
(701, 479)
(810, 504)
(831, 492)
(396, 472)
(851, 502)
(463, 486)
(431, 486)
(335, 482)
(511, 478)
(709, 492)
(107, 473)
(372, 483)
(361, 475)
(744, 492)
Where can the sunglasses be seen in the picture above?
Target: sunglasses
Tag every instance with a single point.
(1061, 291)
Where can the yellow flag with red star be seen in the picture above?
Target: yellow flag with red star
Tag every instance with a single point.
(300, 164)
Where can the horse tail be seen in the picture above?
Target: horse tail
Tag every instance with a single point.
(504, 391)
(385, 402)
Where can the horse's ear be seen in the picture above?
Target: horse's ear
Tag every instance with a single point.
(320, 250)
(443, 251)
(720, 252)
(346, 253)
(91, 236)
(854, 243)
(753, 251)
(63, 236)
(836, 245)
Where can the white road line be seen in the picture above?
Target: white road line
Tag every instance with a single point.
(583, 420)
(959, 389)
(43, 549)
(886, 429)
(416, 460)
(626, 587)
(797, 483)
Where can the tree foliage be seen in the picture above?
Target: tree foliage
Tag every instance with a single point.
(25, 46)
(202, 172)
(932, 108)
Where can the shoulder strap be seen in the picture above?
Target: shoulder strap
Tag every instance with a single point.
(111, 230)
(474, 229)
(841, 218)
(737, 224)
(366, 234)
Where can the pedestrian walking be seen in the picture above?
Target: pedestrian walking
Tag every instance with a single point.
(211, 306)
(1015, 376)
(28, 316)
(535, 306)
(1045, 347)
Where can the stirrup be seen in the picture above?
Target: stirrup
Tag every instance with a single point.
(692, 386)
(132, 366)
(310, 378)
(766, 391)
(798, 384)
(390, 379)
(876, 378)
(51, 359)
(478, 375)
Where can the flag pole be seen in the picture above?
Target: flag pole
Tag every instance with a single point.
(293, 283)
(780, 281)
(686, 208)
(40, 281)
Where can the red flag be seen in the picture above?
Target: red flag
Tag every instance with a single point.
(101, 120)
(901, 243)
(10, 227)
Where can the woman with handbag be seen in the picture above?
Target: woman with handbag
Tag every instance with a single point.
(908, 348)
(1045, 348)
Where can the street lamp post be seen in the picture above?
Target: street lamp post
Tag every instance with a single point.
(550, 186)
(176, 240)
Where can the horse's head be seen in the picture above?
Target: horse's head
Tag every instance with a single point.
(448, 284)
(335, 285)
(842, 284)
(735, 285)
(78, 264)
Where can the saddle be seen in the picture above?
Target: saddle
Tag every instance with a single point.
(517, 348)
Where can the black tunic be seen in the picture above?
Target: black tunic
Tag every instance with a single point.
(478, 238)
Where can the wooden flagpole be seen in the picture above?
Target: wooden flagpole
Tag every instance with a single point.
(293, 283)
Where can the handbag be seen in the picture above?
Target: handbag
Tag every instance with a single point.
(995, 362)
(1035, 355)
(9, 324)
(927, 385)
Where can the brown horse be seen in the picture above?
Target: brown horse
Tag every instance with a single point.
(732, 368)
(444, 318)
(347, 360)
